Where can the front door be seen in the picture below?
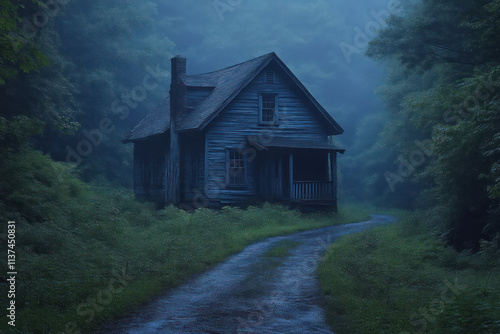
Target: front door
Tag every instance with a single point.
(274, 175)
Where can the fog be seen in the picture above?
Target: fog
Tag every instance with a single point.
(319, 41)
(415, 84)
(105, 50)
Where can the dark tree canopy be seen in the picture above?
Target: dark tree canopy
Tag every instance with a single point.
(444, 88)
(456, 32)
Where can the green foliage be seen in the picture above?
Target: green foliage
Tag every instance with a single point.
(16, 133)
(99, 52)
(401, 279)
(457, 32)
(466, 153)
(17, 53)
(33, 187)
(46, 97)
(111, 45)
(72, 239)
(443, 88)
(473, 311)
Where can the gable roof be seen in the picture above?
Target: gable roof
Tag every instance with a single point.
(227, 84)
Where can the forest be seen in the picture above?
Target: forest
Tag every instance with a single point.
(439, 146)
(419, 104)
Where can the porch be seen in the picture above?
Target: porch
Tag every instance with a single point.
(303, 173)
(313, 191)
(312, 177)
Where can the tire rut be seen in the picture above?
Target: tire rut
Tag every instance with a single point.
(223, 300)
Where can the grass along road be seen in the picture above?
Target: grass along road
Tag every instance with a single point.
(269, 287)
(91, 253)
(403, 279)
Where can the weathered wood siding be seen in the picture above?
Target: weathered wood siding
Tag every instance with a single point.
(195, 95)
(150, 165)
(297, 119)
(192, 168)
(273, 166)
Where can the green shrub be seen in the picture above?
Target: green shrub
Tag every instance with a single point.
(74, 237)
(472, 311)
(402, 278)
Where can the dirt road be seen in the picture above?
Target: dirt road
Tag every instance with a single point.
(251, 292)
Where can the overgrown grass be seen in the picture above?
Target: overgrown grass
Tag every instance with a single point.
(87, 253)
(402, 279)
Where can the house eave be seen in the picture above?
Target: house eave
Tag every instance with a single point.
(294, 145)
(236, 92)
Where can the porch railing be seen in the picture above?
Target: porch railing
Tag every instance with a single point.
(313, 190)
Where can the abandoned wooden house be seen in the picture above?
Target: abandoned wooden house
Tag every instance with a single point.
(247, 133)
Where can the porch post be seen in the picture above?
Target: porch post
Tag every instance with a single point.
(333, 162)
(291, 176)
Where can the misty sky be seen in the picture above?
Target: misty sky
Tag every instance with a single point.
(306, 35)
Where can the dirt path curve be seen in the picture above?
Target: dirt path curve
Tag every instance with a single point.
(249, 292)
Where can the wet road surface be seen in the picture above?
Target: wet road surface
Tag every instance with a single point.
(248, 293)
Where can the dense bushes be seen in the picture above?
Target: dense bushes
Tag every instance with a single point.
(439, 145)
(73, 239)
(402, 279)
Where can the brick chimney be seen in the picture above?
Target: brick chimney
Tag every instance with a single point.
(178, 68)
(178, 104)
(178, 93)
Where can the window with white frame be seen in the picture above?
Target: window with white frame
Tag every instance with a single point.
(236, 168)
(268, 109)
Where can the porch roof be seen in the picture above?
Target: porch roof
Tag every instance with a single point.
(293, 144)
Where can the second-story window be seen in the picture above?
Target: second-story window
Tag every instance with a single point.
(268, 109)
(269, 77)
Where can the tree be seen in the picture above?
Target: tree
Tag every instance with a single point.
(17, 53)
(438, 31)
(447, 60)
(114, 46)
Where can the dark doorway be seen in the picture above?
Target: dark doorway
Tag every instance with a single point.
(310, 166)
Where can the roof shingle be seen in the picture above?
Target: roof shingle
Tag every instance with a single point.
(226, 84)
(156, 122)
